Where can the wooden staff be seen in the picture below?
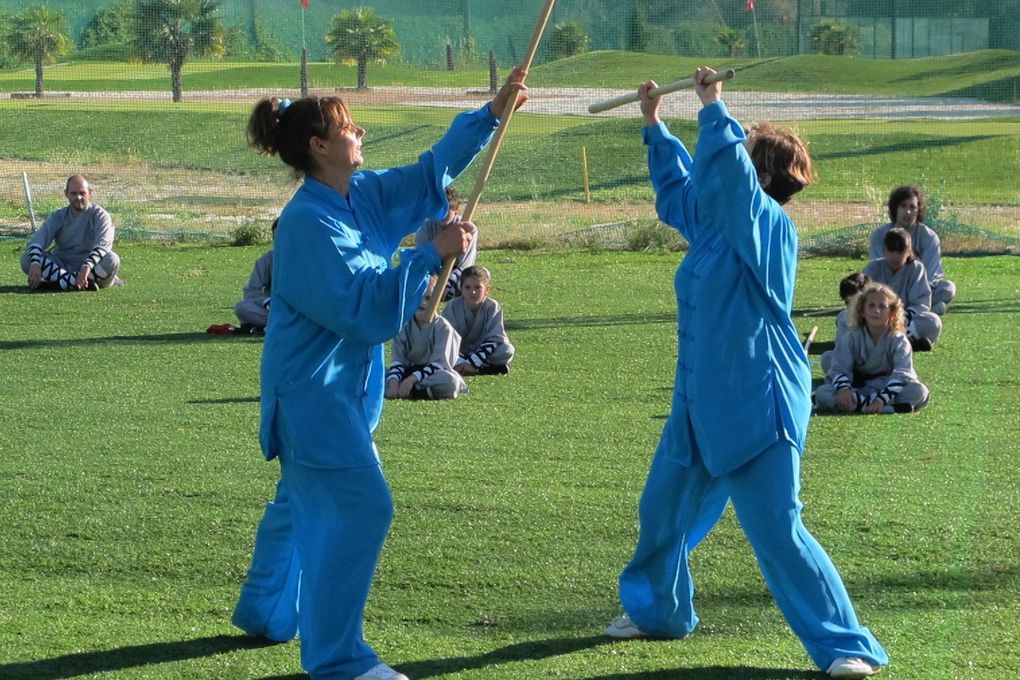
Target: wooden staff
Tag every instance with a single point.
(810, 338)
(656, 91)
(28, 198)
(483, 173)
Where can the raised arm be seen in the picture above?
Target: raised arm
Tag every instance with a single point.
(669, 166)
(406, 196)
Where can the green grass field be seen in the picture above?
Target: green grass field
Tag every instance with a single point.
(131, 485)
(987, 74)
(169, 169)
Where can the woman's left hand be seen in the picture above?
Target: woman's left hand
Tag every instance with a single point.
(454, 239)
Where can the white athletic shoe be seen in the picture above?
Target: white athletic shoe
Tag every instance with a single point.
(623, 628)
(381, 672)
(851, 667)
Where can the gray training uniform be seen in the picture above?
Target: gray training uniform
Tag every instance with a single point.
(483, 339)
(87, 236)
(430, 351)
(876, 370)
(911, 285)
(928, 248)
(842, 328)
(254, 306)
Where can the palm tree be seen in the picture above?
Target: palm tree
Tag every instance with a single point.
(168, 31)
(567, 40)
(360, 35)
(732, 39)
(39, 35)
(832, 37)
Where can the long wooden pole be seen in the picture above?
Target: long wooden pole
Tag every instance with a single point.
(656, 91)
(490, 159)
(810, 338)
(28, 198)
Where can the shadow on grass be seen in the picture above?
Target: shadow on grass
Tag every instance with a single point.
(713, 673)
(90, 663)
(226, 400)
(169, 338)
(911, 145)
(20, 290)
(820, 347)
(543, 649)
(990, 306)
(522, 651)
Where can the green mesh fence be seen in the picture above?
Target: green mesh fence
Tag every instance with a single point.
(886, 92)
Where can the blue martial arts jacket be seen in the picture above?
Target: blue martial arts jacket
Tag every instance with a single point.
(337, 298)
(743, 381)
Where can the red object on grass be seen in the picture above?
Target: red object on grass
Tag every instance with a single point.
(304, 3)
(750, 4)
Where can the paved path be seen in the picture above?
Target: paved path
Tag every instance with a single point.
(747, 106)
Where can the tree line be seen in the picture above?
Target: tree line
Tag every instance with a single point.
(173, 31)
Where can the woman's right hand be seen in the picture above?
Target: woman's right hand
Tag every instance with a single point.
(454, 239)
(710, 93)
(514, 85)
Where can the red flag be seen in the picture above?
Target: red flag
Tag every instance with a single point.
(750, 4)
(304, 4)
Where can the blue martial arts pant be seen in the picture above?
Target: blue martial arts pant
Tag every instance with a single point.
(323, 532)
(680, 505)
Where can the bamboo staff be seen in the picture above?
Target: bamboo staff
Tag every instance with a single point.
(483, 173)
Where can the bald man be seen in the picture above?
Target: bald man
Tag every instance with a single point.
(73, 249)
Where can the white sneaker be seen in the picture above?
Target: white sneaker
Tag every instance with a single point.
(851, 667)
(623, 628)
(381, 672)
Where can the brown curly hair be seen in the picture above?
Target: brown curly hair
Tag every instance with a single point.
(897, 315)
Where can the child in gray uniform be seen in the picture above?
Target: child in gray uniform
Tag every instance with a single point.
(485, 348)
(253, 309)
(907, 208)
(422, 357)
(902, 272)
(849, 287)
(872, 367)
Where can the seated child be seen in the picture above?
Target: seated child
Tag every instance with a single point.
(428, 231)
(872, 366)
(906, 276)
(849, 287)
(422, 356)
(484, 347)
(253, 309)
(907, 208)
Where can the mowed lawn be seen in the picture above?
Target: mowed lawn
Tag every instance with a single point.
(131, 485)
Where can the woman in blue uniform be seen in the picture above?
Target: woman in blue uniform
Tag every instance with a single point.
(336, 299)
(742, 397)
